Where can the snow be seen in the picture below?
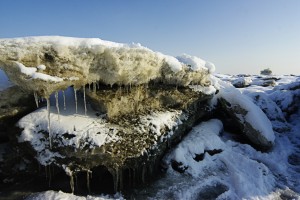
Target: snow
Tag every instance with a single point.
(239, 173)
(41, 67)
(31, 72)
(159, 120)
(242, 80)
(202, 137)
(174, 64)
(193, 62)
(53, 195)
(4, 81)
(205, 90)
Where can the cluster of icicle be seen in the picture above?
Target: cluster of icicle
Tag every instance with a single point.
(38, 99)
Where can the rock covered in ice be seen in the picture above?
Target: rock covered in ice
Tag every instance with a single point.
(131, 140)
(48, 64)
(249, 118)
(242, 82)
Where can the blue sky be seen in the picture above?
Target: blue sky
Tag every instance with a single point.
(239, 36)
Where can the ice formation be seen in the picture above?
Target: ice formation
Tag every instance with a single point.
(48, 64)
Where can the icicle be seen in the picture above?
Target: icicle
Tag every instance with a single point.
(49, 176)
(76, 181)
(84, 100)
(129, 177)
(36, 98)
(89, 87)
(134, 178)
(75, 95)
(46, 172)
(88, 181)
(116, 180)
(143, 173)
(72, 183)
(49, 131)
(57, 105)
(94, 87)
(64, 96)
(121, 179)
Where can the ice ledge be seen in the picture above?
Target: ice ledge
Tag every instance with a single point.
(50, 63)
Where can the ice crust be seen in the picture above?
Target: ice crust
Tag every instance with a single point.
(55, 63)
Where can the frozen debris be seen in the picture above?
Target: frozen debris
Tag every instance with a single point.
(49, 64)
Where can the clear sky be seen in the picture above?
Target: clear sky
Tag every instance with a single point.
(238, 36)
